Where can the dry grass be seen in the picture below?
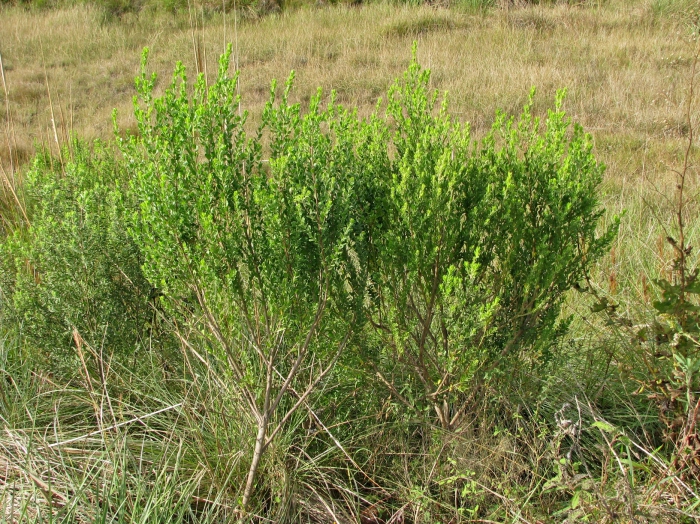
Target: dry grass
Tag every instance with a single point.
(625, 67)
(625, 63)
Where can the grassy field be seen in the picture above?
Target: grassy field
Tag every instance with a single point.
(627, 66)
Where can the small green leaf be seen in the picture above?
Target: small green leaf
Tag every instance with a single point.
(604, 426)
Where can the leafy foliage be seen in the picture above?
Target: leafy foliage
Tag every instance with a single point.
(76, 268)
(262, 259)
(396, 245)
(482, 244)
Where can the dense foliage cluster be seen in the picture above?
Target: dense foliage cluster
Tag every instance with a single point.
(480, 244)
(76, 270)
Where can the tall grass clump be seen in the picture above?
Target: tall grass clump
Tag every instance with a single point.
(117, 443)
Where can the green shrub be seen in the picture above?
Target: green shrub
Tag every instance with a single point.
(261, 262)
(480, 246)
(75, 268)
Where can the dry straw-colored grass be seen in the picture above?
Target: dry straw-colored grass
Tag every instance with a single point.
(626, 65)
